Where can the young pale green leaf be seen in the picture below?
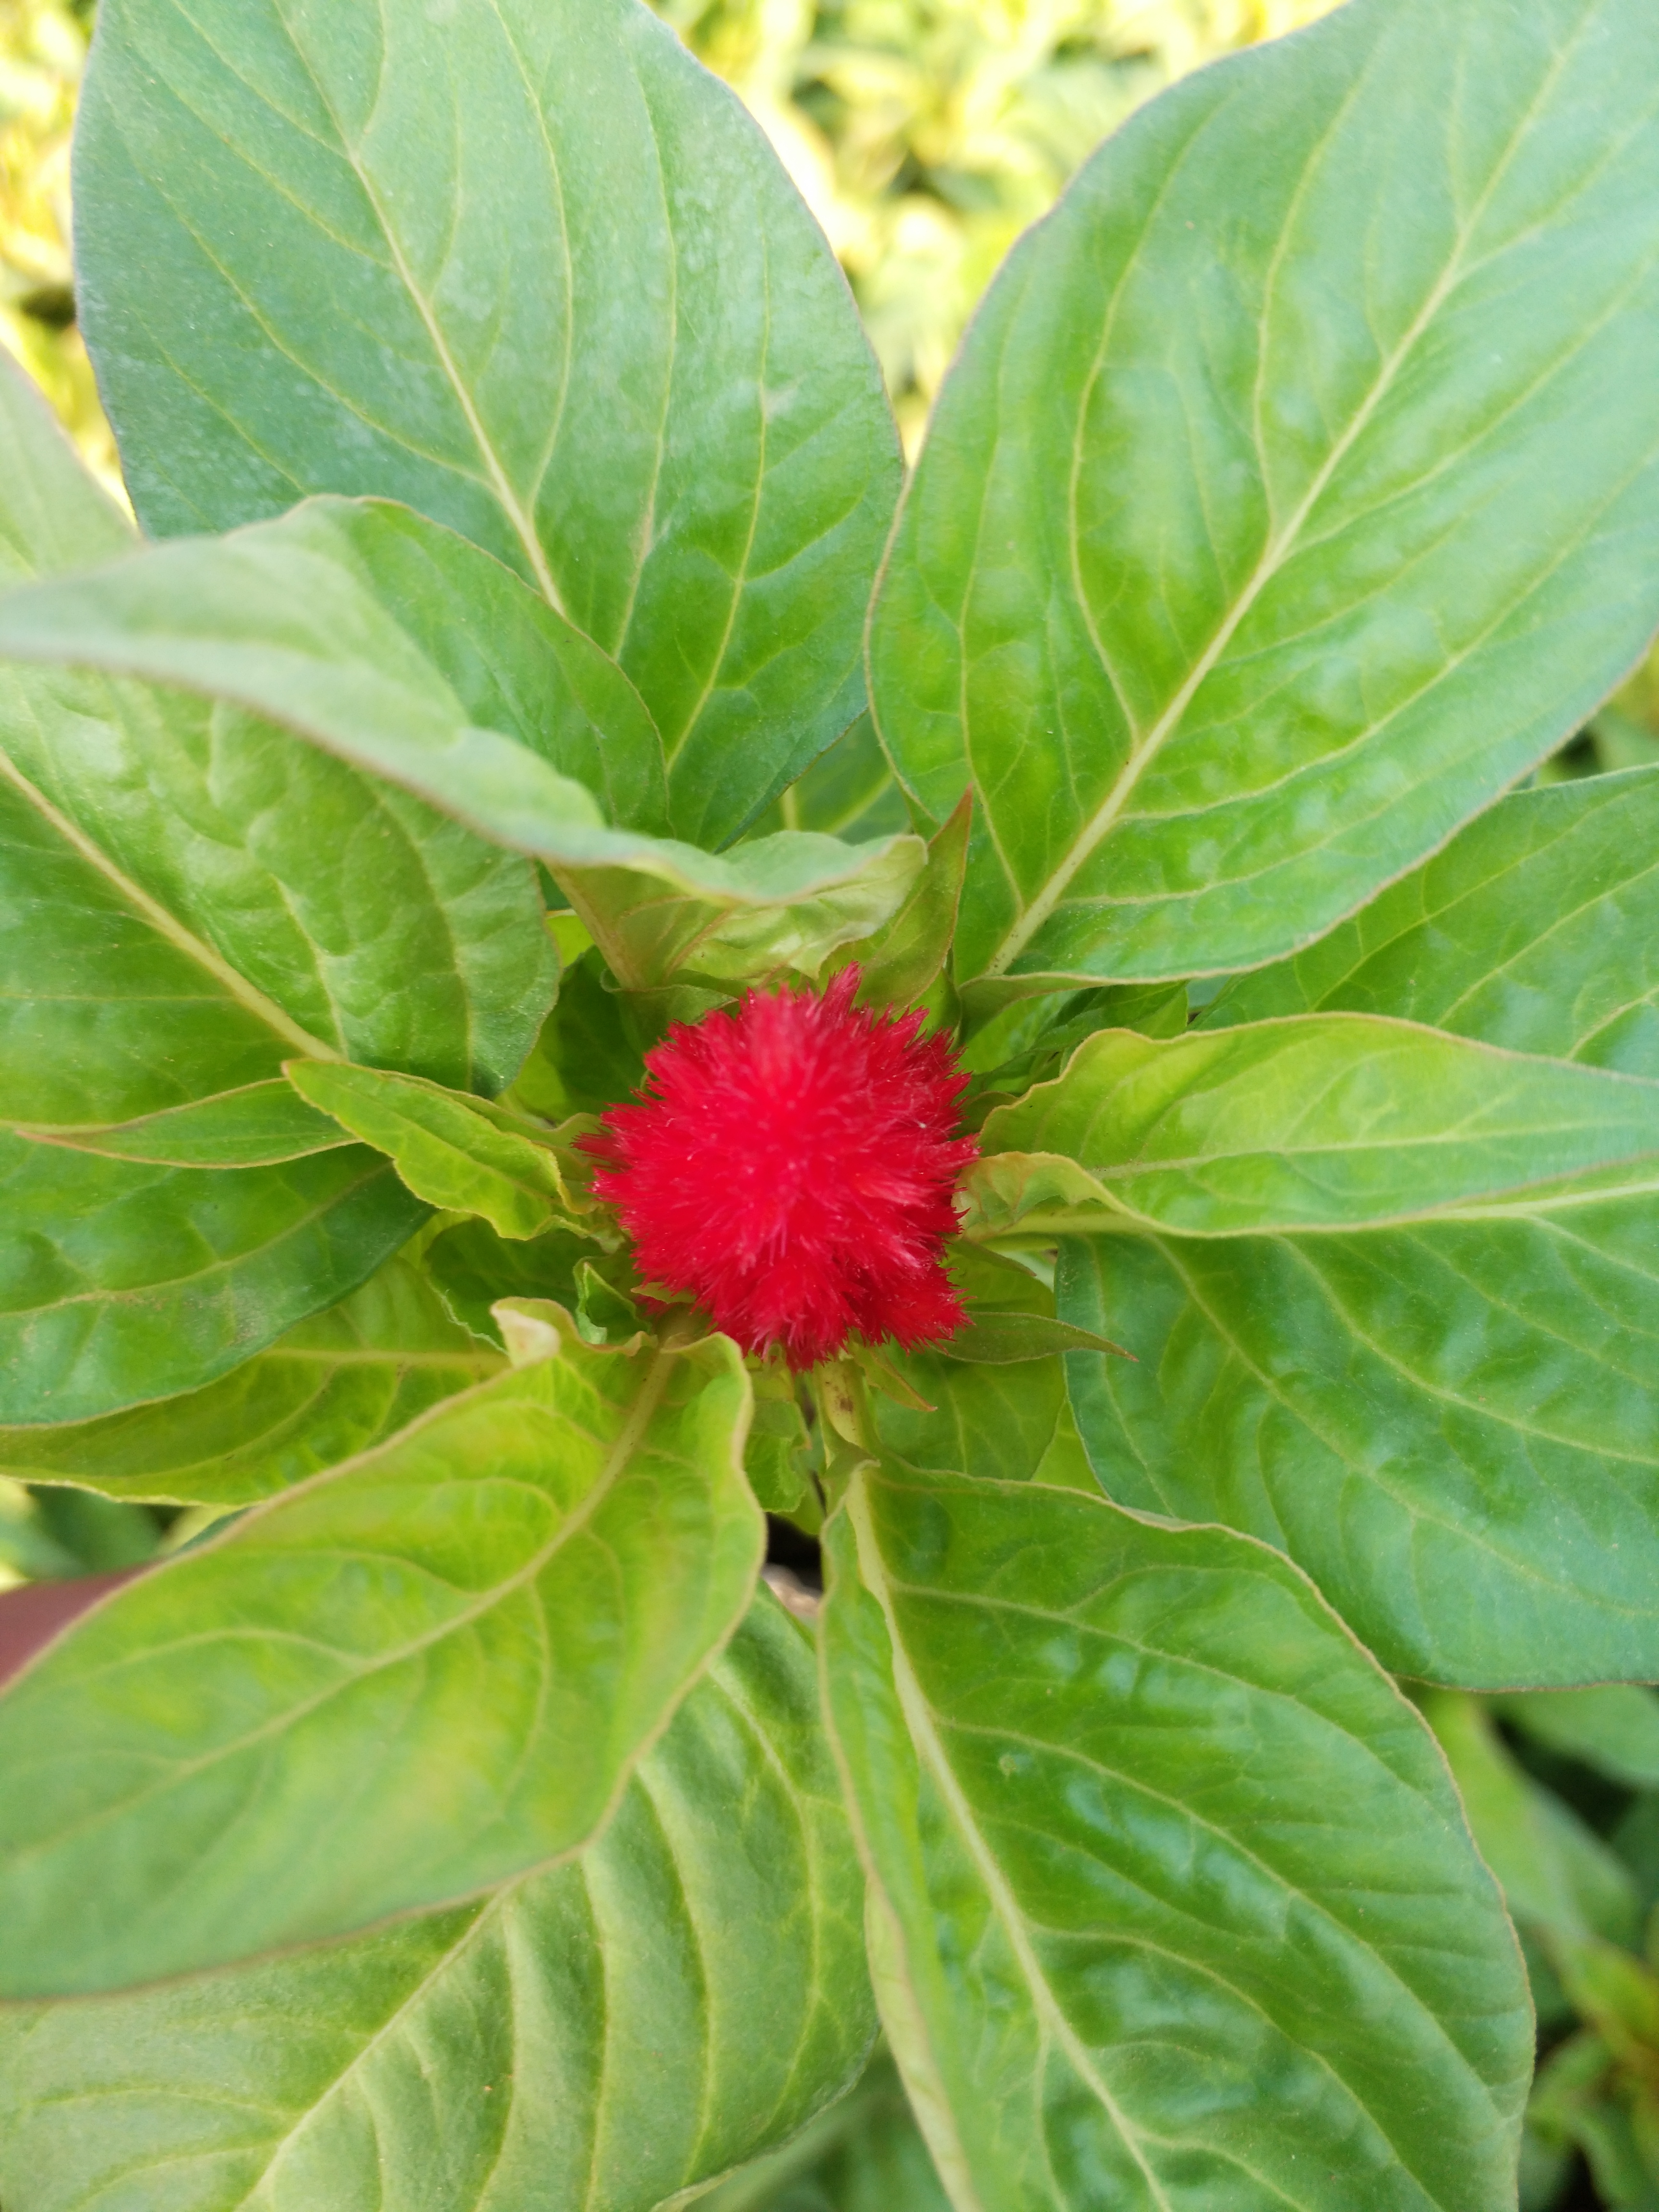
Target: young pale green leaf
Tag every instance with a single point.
(435, 1666)
(1537, 928)
(1172, 1905)
(1614, 1727)
(121, 1282)
(1317, 1122)
(1450, 1426)
(1561, 1880)
(865, 2154)
(592, 328)
(688, 1992)
(258, 1126)
(902, 960)
(1261, 535)
(404, 651)
(461, 1155)
(338, 1385)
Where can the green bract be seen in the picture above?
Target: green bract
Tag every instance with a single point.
(461, 1827)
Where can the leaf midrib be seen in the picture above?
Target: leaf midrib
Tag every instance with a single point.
(1275, 554)
(919, 1720)
(638, 1420)
(233, 984)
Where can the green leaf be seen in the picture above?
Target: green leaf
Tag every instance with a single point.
(902, 960)
(592, 327)
(578, 1535)
(1172, 1902)
(336, 1385)
(121, 1282)
(461, 1155)
(1614, 1728)
(1320, 1122)
(686, 1993)
(1262, 536)
(187, 896)
(1449, 1423)
(866, 2154)
(1558, 1877)
(1537, 928)
(984, 1420)
(848, 791)
(258, 1126)
(1007, 1340)
(315, 623)
(472, 1268)
(1450, 1426)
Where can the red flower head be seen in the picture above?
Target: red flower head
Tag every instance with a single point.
(790, 1164)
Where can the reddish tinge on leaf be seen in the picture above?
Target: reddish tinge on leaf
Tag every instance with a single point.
(790, 1165)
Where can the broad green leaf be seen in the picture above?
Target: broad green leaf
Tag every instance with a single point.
(472, 1267)
(1322, 1122)
(848, 791)
(987, 1419)
(592, 328)
(1172, 1903)
(865, 2154)
(1537, 928)
(1261, 535)
(312, 622)
(1559, 1877)
(357, 616)
(461, 1155)
(336, 1385)
(258, 1126)
(436, 1665)
(1614, 1728)
(1450, 1426)
(121, 1282)
(187, 896)
(687, 1992)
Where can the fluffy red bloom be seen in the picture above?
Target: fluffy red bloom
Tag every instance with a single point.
(790, 1164)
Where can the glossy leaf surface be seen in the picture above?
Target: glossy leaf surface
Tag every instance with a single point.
(461, 1155)
(258, 1126)
(314, 622)
(1537, 928)
(592, 328)
(429, 1670)
(121, 1282)
(1174, 1905)
(1452, 1424)
(1329, 1122)
(684, 1994)
(187, 895)
(1262, 535)
(336, 1385)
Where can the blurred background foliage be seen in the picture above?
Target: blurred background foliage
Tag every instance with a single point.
(925, 134)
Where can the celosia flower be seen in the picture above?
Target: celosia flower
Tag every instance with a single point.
(789, 1165)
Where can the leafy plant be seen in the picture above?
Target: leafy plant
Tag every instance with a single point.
(463, 1824)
